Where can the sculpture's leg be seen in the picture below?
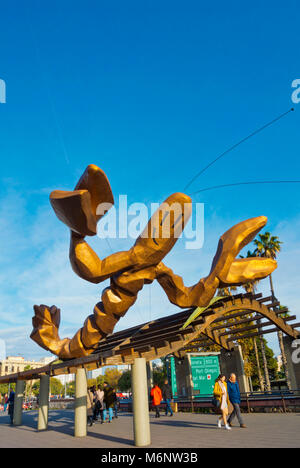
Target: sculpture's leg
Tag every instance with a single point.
(86, 263)
(183, 296)
(116, 300)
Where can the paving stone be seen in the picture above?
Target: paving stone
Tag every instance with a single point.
(183, 430)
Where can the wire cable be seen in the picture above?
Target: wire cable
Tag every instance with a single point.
(237, 144)
(248, 183)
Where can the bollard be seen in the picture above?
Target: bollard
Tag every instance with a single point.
(43, 403)
(18, 403)
(141, 423)
(80, 403)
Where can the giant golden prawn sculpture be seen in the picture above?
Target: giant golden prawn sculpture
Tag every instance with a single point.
(130, 270)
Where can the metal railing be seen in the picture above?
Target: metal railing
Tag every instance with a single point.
(283, 399)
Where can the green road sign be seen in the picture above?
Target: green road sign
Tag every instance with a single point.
(205, 370)
(173, 377)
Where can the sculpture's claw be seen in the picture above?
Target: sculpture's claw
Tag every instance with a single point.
(74, 210)
(248, 270)
(95, 181)
(232, 242)
(78, 208)
(45, 329)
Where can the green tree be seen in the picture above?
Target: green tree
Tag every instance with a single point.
(159, 373)
(28, 384)
(91, 382)
(271, 364)
(282, 350)
(56, 387)
(250, 286)
(112, 376)
(36, 388)
(4, 388)
(124, 383)
(258, 367)
(100, 380)
(227, 291)
(269, 246)
(70, 388)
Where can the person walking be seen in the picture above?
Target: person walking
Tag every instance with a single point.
(221, 394)
(235, 399)
(99, 395)
(90, 406)
(109, 401)
(167, 396)
(11, 405)
(5, 404)
(156, 399)
(116, 403)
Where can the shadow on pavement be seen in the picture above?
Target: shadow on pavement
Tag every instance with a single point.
(62, 423)
(177, 423)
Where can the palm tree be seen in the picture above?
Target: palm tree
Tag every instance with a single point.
(28, 386)
(226, 291)
(260, 377)
(265, 362)
(269, 246)
(250, 287)
(282, 350)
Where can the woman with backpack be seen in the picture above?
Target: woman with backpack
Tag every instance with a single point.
(90, 405)
(221, 400)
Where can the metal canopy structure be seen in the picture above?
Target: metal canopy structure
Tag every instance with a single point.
(158, 338)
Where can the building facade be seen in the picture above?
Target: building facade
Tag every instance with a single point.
(13, 364)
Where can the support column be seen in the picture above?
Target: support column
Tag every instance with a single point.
(80, 403)
(18, 403)
(243, 381)
(43, 403)
(184, 376)
(232, 362)
(141, 423)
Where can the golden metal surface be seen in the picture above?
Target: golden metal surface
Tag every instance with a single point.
(129, 271)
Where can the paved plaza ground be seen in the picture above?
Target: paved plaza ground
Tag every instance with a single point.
(184, 430)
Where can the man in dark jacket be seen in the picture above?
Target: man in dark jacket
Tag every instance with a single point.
(109, 401)
(167, 396)
(235, 399)
(11, 405)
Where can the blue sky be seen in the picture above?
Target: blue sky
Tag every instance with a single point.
(151, 92)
